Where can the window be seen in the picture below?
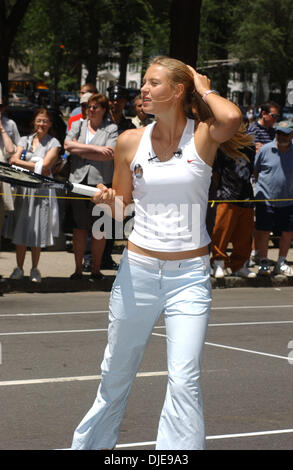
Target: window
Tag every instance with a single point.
(132, 84)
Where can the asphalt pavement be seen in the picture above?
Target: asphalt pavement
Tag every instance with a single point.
(57, 266)
(52, 346)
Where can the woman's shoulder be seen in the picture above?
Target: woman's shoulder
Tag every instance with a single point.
(78, 123)
(128, 142)
(130, 136)
(24, 138)
(52, 141)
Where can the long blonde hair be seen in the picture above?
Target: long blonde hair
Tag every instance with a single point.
(196, 108)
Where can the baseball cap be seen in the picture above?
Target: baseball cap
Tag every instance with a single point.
(85, 97)
(117, 91)
(284, 126)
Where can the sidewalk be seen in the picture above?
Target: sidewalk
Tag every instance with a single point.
(57, 266)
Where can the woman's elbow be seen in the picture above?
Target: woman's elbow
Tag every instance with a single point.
(235, 118)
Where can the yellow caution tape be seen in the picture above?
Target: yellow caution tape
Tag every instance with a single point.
(212, 201)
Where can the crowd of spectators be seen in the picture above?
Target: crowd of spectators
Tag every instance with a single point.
(257, 196)
(35, 222)
(254, 195)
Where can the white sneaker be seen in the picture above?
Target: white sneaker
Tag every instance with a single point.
(219, 269)
(17, 273)
(35, 275)
(245, 272)
(283, 268)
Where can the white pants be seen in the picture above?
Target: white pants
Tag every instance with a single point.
(144, 288)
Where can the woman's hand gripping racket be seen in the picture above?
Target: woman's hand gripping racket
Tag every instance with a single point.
(19, 176)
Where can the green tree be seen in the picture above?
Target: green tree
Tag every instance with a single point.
(265, 35)
(91, 32)
(218, 23)
(127, 20)
(155, 30)
(48, 43)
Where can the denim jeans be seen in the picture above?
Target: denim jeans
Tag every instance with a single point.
(144, 288)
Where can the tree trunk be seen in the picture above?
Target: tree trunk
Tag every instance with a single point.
(123, 62)
(8, 28)
(92, 68)
(283, 97)
(185, 25)
(4, 74)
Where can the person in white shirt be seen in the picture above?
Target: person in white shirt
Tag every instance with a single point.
(9, 137)
(165, 168)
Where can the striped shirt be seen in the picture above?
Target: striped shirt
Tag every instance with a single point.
(261, 134)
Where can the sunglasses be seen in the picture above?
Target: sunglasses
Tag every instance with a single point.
(275, 116)
(92, 106)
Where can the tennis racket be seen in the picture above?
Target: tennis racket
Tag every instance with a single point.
(20, 176)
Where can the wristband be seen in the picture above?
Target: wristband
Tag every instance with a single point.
(3, 131)
(207, 93)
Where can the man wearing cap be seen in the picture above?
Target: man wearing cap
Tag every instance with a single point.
(83, 107)
(118, 96)
(86, 88)
(274, 173)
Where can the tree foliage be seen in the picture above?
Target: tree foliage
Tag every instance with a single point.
(257, 32)
(265, 34)
(92, 32)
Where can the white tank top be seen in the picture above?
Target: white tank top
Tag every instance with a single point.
(170, 198)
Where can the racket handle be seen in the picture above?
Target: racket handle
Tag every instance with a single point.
(84, 189)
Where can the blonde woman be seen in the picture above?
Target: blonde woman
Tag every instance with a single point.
(36, 219)
(165, 268)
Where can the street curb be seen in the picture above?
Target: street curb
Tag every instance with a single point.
(62, 284)
(55, 285)
(259, 281)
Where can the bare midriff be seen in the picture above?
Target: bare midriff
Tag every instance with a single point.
(169, 255)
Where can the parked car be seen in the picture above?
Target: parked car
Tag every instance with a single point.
(67, 101)
(42, 97)
(23, 117)
(18, 99)
(287, 112)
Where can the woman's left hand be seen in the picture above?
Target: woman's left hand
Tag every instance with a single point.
(202, 83)
(14, 160)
